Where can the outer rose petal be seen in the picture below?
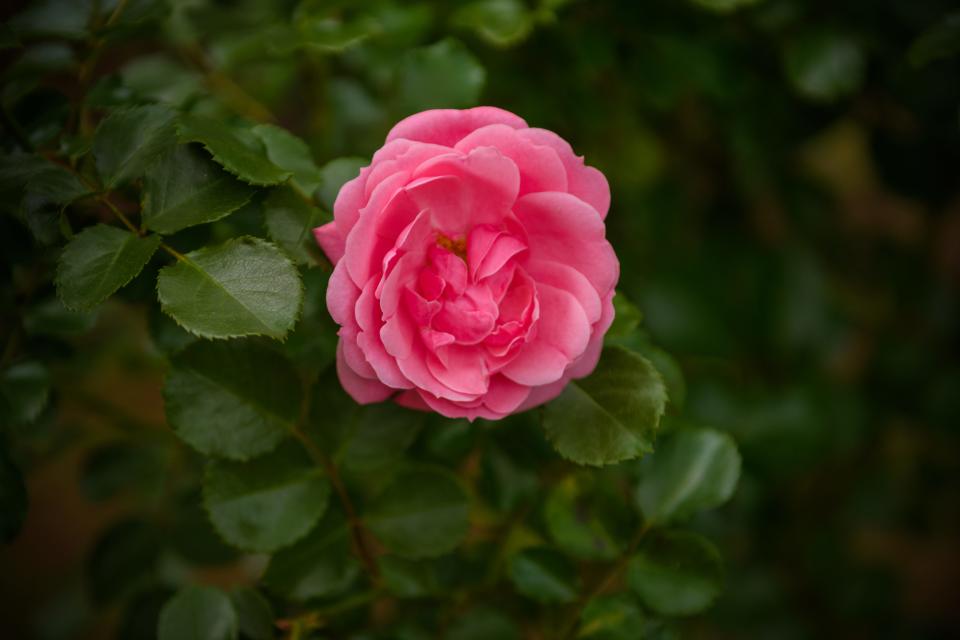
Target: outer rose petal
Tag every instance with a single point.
(363, 390)
(449, 126)
(540, 167)
(587, 183)
(330, 241)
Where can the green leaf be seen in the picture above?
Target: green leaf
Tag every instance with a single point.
(98, 261)
(626, 317)
(13, 498)
(676, 573)
(483, 623)
(693, 469)
(198, 613)
(290, 153)
(51, 318)
(24, 392)
(583, 521)
(502, 23)
(544, 575)
(313, 343)
(238, 150)
(940, 41)
(616, 617)
(319, 566)
(129, 140)
(242, 287)
(290, 222)
(192, 536)
(825, 66)
(185, 188)
(423, 513)
(334, 175)
(254, 614)
(56, 18)
(120, 467)
(268, 503)
(379, 436)
(610, 416)
(123, 560)
(444, 74)
(219, 400)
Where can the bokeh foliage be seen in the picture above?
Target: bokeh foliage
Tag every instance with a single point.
(785, 209)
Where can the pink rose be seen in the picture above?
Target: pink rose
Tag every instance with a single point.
(473, 276)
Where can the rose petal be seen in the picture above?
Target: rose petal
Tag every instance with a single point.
(449, 126)
(330, 241)
(363, 390)
(539, 165)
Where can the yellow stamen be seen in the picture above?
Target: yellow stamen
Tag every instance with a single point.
(457, 247)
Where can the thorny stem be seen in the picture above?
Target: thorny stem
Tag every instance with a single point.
(569, 629)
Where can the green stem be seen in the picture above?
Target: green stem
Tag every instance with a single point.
(569, 629)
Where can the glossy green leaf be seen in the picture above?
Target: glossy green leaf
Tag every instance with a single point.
(334, 175)
(320, 565)
(692, 469)
(825, 65)
(254, 614)
(13, 498)
(615, 617)
(676, 573)
(198, 613)
(267, 503)
(237, 149)
(24, 392)
(423, 513)
(98, 261)
(219, 400)
(626, 318)
(544, 575)
(242, 287)
(129, 140)
(290, 153)
(290, 221)
(611, 415)
(185, 188)
(444, 74)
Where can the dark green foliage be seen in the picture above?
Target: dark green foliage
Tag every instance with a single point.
(767, 449)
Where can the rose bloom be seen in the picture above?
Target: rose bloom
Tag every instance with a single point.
(473, 276)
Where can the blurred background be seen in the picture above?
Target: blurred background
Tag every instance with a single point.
(786, 208)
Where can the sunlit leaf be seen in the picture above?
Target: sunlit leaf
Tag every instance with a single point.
(198, 613)
(130, 140)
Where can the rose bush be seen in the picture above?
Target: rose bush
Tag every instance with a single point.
(473, 276)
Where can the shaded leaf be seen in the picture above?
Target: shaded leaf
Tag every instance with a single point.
(129, 140)
(676, 573)
(198, 613)
(334, 175)
(444, 74)
(583, 521)
(24, 392)
(940, 41)
(423, 513)
(267, 503)
(483, 623)
(318, 566)
(825, 65)
(242, 287)
(290, 153)
(500, 22)
(615, 617)
(185, 188)
(238, 150)
(13, 498)
(120, 467)
(693, 469)
(219, 400)
(254, 614)
(290, 221)
(544, 575)
(610, 416)
(123, 559)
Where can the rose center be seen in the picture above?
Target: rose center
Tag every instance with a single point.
(457, 246)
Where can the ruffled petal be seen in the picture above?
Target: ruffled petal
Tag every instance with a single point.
(587, 183)
(449, 126)
(363, 390)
